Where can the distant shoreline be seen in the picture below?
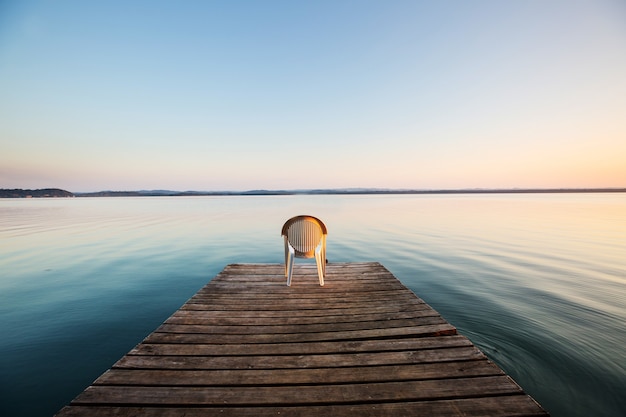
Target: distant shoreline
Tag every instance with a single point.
(59, 193)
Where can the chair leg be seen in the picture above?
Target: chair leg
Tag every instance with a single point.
(320, 267)
(289, 265)
(286, 255)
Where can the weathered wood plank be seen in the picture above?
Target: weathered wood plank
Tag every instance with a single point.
(266, 328)
(245, 318)
(320, 311)
(248, 345)
(303, 305)
(500, 406)
(299, 376)
(384, 345)
(299, 361)
(303, 395)
(414, 331)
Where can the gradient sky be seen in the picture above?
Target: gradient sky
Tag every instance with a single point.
(241, 95)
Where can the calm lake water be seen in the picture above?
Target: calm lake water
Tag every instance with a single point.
(537, 281)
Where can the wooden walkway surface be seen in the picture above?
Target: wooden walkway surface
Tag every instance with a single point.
(248, 345)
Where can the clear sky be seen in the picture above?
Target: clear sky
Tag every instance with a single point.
(241, 95)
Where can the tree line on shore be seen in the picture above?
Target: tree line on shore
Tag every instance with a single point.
(44, 192)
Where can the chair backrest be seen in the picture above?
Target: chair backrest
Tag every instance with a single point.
(304, 234)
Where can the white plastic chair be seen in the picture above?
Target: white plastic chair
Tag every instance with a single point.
(305, 237)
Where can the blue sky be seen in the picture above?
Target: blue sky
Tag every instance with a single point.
(239, 95)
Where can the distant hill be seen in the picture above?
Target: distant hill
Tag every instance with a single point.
(56, 192)
(111, 194)
(170, 193)
(45, 192)
(342, 191)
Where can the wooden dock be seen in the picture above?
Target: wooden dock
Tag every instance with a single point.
(248, 345)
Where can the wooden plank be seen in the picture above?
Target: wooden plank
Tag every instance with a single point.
(320, 311)
(384, 345)
(500, 406)
(214, 318)
(298, 361)
(261, 327)
(300, 376)
(248, 345)
(303, 395)
(413, 331)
